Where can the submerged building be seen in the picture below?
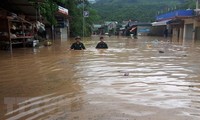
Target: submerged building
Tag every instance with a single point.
(183, 25)
(21, 23)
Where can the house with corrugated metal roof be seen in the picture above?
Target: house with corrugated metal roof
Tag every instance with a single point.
(184, 25)
(175, 22)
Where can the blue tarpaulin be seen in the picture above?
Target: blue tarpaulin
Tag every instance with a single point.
(177, 13)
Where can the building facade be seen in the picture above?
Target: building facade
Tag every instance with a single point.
(184, 25)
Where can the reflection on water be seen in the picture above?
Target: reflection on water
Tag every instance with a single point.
(131, 80)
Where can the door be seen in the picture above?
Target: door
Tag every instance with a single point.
(189, 32)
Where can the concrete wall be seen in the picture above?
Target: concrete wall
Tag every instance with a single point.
(157, 30)
(64, 33)
(188, 30)
(197, 30)
(197, 35)
(60, 33)
(191, 29)
(177, 34)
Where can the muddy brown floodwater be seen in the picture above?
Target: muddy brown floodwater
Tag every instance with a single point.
(131, 80)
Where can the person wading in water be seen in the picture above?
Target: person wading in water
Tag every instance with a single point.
(102, 44)
(77, 45)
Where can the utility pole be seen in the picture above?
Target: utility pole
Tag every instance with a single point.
(83, 17)
(197, 4)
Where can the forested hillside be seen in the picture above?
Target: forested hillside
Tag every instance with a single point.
(140, 10)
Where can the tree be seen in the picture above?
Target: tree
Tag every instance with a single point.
(47, 8)
(78, 24)
(188, 4)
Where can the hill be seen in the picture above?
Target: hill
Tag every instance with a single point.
(139, 10)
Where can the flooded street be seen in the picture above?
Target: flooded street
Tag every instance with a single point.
(129, 81)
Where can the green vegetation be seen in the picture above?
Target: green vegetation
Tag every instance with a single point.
(78, 25)
(139, 10)
(109, 10)
(48, 8)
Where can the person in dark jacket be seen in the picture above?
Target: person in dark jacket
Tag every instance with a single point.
(77, 45)
(102, 44)
(166, 33)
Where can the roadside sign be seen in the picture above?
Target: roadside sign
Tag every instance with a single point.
(86, 13)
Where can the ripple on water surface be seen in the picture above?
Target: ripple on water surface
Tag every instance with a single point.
(129, 80)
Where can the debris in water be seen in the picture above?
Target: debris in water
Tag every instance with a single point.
(160, 51)
(126, 74)
(184, 55)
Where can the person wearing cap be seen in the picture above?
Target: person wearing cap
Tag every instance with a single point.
(77, 45)
(102, 44)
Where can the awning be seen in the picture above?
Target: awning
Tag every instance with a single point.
(63, 10)
(160, 23)
(176, 22)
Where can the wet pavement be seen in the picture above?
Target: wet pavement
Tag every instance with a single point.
(144, 79)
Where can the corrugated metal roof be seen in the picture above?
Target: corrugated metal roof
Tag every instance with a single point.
(177, 13)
